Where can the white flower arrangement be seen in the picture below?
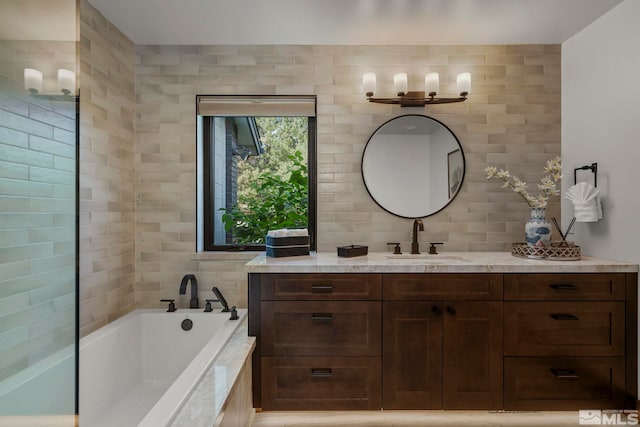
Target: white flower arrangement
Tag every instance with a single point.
(547, 184)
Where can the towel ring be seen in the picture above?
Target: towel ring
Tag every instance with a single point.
(593, 167)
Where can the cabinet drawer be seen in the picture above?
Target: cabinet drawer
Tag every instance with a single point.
(564, 383)
(315, 328)
(564, 328)
(445, 286)
(320, 383)
(321, 287)
(565, 287)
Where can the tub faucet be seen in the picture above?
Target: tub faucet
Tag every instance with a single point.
(190, 278)
(220, 299)
(418, 225)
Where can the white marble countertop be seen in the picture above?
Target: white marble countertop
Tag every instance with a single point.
(444, 262)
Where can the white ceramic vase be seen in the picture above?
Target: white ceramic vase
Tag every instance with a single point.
(537, 229)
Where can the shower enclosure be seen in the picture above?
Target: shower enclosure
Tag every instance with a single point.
(38, 212)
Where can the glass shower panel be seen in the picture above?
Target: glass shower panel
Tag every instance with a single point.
(38, 225)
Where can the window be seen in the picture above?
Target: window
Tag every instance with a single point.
(256, 163)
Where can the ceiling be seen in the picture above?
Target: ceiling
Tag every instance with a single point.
(346, 22)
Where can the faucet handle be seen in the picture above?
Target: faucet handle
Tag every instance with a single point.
(396, 250)
(207, 306)
(432, 247)
(172, 305)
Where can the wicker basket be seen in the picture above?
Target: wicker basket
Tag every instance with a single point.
(555, 252)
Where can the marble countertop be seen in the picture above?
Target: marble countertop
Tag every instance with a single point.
(444, 262)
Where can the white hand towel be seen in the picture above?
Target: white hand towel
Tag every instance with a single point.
(586, 202)
(283, 232)
(298, 232)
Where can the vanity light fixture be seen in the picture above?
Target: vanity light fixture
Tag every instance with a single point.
(408, 98)
(33, 82)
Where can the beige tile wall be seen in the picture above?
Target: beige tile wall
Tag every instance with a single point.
(511, 120)
(107, 116)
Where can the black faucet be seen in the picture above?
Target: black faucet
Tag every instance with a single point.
(220, 299)
(190, 278)
(418, 225)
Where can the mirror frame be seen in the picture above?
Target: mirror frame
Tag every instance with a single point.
(464, 166)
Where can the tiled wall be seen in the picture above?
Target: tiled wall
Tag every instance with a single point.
(37, 208)
(511, 120)
(107, 116)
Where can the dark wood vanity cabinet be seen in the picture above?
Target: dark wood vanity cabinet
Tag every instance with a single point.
(319, 341)
(526, 341)
(444, 351)
(570, 341)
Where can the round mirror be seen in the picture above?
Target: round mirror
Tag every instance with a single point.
(413, 166)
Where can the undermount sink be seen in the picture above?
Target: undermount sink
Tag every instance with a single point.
(427, 258)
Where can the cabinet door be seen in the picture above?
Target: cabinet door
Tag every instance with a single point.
(412, 355)
(473, 355)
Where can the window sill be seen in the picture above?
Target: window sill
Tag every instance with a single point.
(226, 255)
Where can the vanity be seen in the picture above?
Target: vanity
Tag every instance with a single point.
(448, 331)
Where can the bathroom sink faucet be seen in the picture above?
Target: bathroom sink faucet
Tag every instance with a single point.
(190, 278)
(418, 225)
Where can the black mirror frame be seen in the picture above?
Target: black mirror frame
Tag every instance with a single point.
(464, 166)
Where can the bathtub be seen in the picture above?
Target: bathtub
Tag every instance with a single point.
(139, 370)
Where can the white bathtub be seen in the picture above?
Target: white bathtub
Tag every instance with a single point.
(140, 369)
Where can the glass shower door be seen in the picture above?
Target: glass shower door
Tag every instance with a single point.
(38, 205)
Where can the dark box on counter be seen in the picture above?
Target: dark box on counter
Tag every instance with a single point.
(352, 250)
(287, 246)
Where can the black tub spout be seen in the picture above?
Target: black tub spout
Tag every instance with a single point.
(190, 278)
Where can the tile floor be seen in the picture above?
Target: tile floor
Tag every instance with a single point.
(416, 419)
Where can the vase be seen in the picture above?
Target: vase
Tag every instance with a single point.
(538, 230)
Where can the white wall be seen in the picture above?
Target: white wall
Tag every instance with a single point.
(601, 123)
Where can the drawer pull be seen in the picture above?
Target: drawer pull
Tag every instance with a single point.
(565, 374)
(322, 317)
(321, 372)
(321, 289)
(564, 287)
(563, 316)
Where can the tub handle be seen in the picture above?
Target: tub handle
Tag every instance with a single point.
(172, 305)
(321, 372)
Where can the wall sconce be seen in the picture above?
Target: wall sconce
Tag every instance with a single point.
(408, 98)
(33, 82)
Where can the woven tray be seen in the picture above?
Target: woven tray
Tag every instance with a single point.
(556, 253)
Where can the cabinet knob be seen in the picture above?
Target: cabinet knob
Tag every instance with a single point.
(451, 310)
(436, 310)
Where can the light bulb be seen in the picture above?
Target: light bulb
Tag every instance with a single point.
(400, 84)
(66, 81)
(432, 83)
(32, 80)
(464, 83)
(369, 84)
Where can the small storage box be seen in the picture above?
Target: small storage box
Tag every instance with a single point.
(287, 246)
(352, 250)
